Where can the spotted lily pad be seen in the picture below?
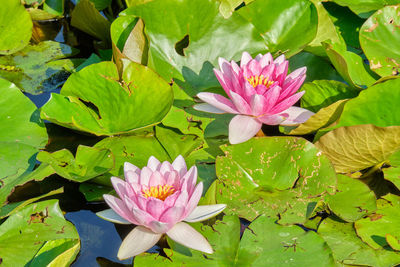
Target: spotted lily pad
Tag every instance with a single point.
(274, 175)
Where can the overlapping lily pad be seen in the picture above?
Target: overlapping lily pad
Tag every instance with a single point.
(274, 175)
(37, 228)
(378, 37)
(95, 100)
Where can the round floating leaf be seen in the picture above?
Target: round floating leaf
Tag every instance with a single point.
(362, 7)
(348, 248)
(392, 172)
(353, 199)
(358, 147)
(15, 30)
(270, 244)
(322, 93)
(350, 66)
(378, 37)
(386, 220)
(88, 163)
(22, 133)
(25, 233)
(273, 175)
(367, 107)
(223, 236)
(180, 41)
(39, 68)
(289, 25)
(94, 100)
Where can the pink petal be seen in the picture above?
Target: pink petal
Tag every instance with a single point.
(257, 104)
(170, 200)
(271, 119)
(131, 172)
(142, 217)
(292, 87)
(141, 202)
(202, 213)
(160, 227)
(189, 237)
(296, 73)
(155, 207)
(194, 199)
(230, 77)
(166, 167)
(156, 179)
(271, 97)
(296, 116)
(286, 103)
(218, 101)
(173, 179)
(266, 60)
(190, 179)
(268, 71)
(139, 240)
(227, 86)
(240, 104)
(172, 215)
(132, 177)
(153, 163)
(242, 128)
(254, 67)
(280, 59)
(281, 72)
(120, 208)
(145, 176)
(119, 186)
(179, 165)
(205, 107)
(246, 57)
(182, 199)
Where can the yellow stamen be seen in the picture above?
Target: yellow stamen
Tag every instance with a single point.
(259, 79)
(160, 191)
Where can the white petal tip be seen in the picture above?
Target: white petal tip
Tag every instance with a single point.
(111, 216)
(201, 213)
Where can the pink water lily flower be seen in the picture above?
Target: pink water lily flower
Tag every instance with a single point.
(260, 92)
(158, 198)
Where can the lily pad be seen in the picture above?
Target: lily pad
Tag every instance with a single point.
(353, 199)
(24, 233)
(22, 133)
(386, 220)
(392, 172)
(378, 37)
(181, 40)
(350, 66)
(363, 8)
(94, 100)
(89, 162)
(348, 249)
(273, 175)
(361, 146)
(15, 30)
(287, 28)
(322, 93)
(39, 68)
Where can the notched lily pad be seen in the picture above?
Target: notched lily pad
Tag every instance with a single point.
(97, 101)
(88, 163)
(274, 175)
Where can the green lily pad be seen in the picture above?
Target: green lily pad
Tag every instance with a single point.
(273, 175)
(182, 41)
(94, 100)
(55, 7)
(15, 30)
(362, 146)
(7, 184)
(38, 68)
(323, 118)
(14, 207)
(59, 252)
(386, 220)
(270, 244)
(378, 37)
(353, 199)
(287, 28)
(322, 93)
(24, 234)
(228, 6)
(94, 192)
(22, 133)
(348, 249)
(89, 162)
(350, 66)
(363, 8)
(366, 108)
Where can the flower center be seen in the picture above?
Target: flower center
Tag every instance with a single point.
(259, 79)
(160, 191)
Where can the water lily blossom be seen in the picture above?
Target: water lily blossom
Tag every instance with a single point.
(158, 198)
(260, 91)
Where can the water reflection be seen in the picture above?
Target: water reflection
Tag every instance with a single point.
(99, 239)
